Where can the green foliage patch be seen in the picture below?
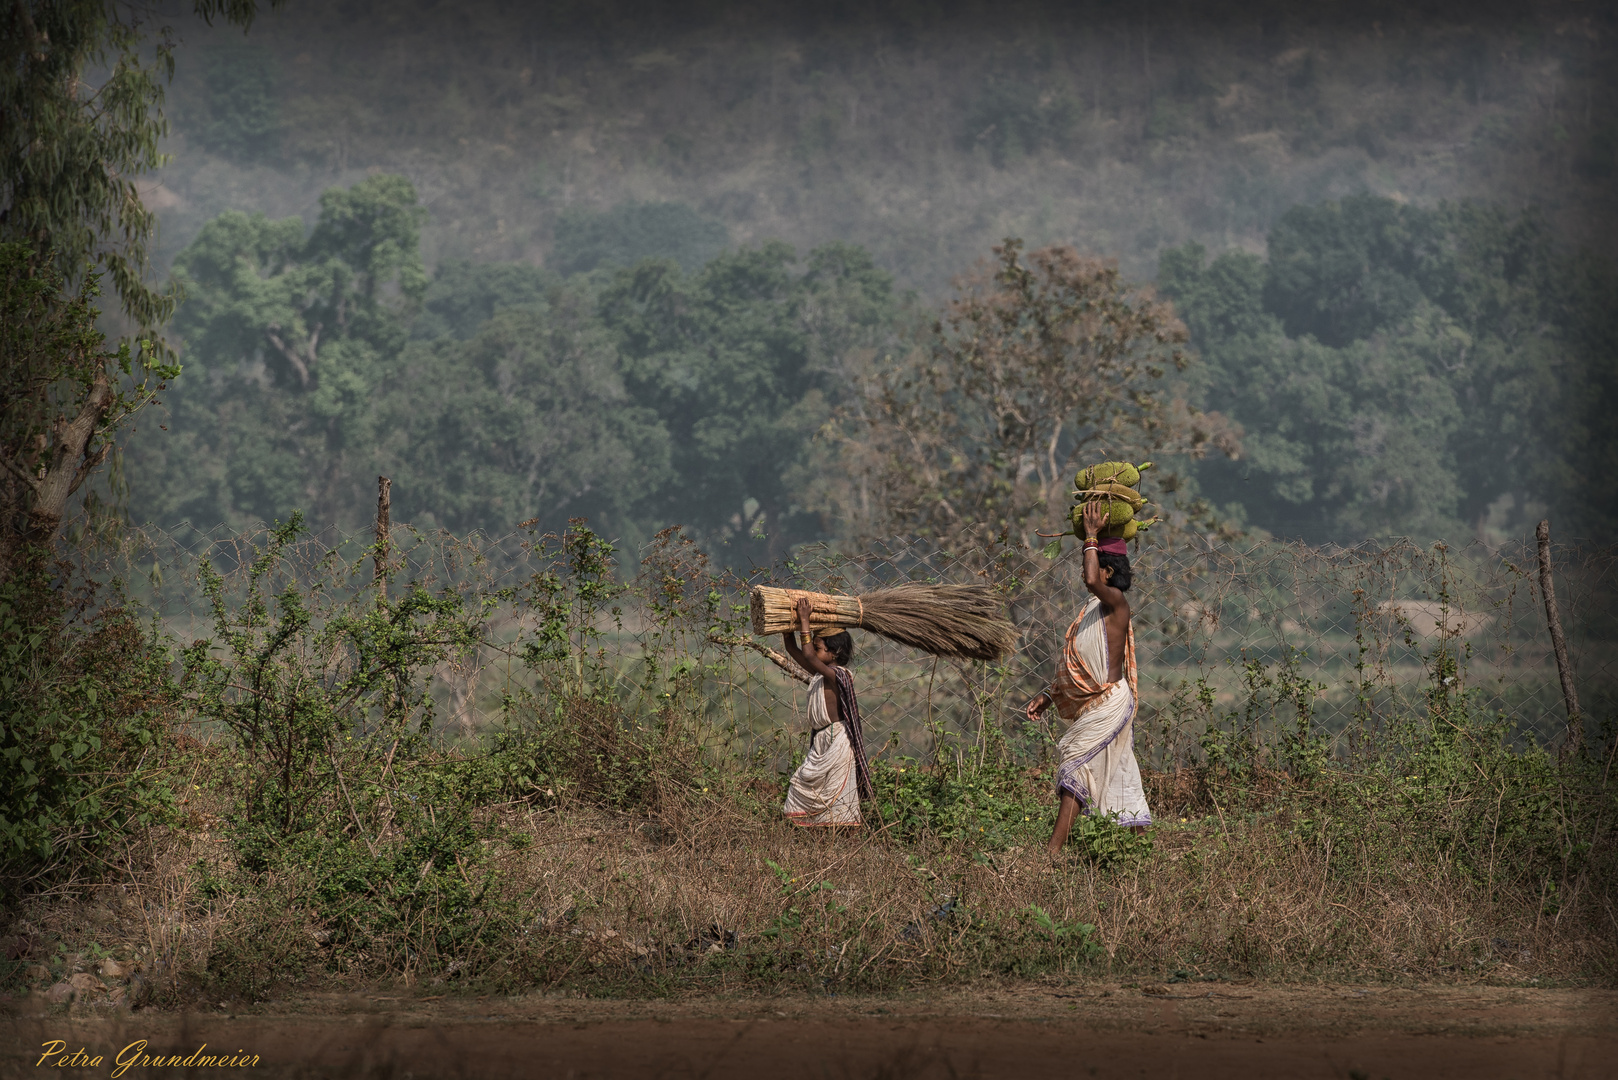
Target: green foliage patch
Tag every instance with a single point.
(679, 388)
(85, 705)
(1404, 371)
(989, 806)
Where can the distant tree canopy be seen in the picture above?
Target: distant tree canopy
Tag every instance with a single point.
(289, 340)
(527, 419)
(241, 116)
(1011, 118)
(1039, 365)
(1389, 369)
(638, 397)
(462, 296)
(740, 363)
(1406, 371)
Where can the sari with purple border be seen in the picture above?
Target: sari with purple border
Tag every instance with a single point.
(848, 713)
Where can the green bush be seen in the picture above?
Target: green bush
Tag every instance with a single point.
(341, 801)
(989, 805)
(1104, 842)
(83, 708)
(1453, 783)
(322, 693)
(422, 895)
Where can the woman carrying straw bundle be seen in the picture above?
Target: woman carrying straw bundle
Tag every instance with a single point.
(1095, 689)
(827, 788)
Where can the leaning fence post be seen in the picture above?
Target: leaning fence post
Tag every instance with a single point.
(384, 504)
(1575, 722)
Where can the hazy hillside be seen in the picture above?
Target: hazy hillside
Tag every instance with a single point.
(1425, 351)
(925, 132)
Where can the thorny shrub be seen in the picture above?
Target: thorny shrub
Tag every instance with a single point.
(341, 793)
(585, 725)
(334, 779)
(1453, 784)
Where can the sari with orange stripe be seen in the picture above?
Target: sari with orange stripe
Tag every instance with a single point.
(1098, 750)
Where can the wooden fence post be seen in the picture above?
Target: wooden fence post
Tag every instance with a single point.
(1574, 742)
(384, 506)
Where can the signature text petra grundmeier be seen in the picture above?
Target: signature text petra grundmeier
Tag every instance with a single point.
(135, 1056)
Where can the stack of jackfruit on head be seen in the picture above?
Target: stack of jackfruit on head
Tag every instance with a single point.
(1115, 482)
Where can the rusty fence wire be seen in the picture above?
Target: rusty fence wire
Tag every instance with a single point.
(1256, 637)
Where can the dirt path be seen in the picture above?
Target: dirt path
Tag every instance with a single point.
(1198, 1030)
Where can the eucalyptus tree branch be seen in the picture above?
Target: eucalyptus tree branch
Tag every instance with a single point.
(68, 461)
(774, 657)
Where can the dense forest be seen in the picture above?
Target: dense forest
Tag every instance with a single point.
(630, 263)
(496, 393)
(1394, 370)
(1432, 372)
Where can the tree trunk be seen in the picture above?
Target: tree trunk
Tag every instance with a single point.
(1574, 742)
(42, 483)
(384, 531)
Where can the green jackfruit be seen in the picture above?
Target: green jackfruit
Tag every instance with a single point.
(1127, 531)
(1113, 472)
(1121, 512)
(1112, 491)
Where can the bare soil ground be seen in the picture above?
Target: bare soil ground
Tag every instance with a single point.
(1099, 1030)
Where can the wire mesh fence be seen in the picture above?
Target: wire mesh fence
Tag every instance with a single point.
(1261, 638)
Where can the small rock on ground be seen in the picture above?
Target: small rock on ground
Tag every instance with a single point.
(84, 982)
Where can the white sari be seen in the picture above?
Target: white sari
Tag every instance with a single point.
(825, 789)
(1098, 750)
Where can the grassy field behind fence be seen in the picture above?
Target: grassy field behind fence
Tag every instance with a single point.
(527, 763)
(1357, 628)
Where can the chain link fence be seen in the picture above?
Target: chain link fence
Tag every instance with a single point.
(1257, 637)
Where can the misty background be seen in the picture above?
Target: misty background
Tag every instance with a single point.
(632, 261)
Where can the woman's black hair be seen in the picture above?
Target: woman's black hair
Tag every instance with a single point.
(1122, 576)
(841, 646)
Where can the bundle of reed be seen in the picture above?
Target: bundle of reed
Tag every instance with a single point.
(964, 621)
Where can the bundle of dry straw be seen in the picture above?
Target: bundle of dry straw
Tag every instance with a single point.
(965, 621)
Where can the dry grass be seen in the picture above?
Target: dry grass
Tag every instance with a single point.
(713, 893)
(1216, 897)
(965, 621)
(150, 912)
(644, 866)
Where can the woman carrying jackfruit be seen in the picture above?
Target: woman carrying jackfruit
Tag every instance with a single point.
(1095, 690)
